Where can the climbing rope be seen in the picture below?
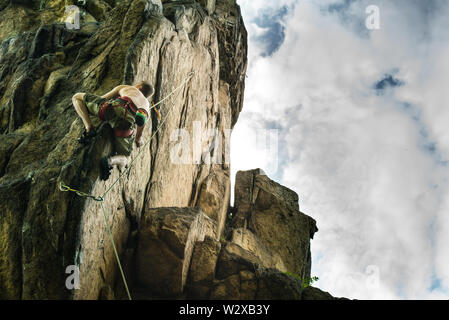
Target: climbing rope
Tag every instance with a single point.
(190, 75)
(65, 188)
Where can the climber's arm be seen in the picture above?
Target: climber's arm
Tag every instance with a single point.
(114, 93)
(139, 140)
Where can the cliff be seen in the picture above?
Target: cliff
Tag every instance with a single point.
(172, 223)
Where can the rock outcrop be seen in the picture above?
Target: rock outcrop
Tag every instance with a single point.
(244, 263)
(170, 214)
(269, 212)
(312, 293)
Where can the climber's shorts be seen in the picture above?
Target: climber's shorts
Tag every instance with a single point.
(93, 103)
(122, 146)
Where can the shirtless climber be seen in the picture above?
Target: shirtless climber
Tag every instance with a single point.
(124, 107)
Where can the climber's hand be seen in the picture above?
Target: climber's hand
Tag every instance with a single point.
(139, 143)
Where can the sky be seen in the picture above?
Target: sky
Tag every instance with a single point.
(355, 121)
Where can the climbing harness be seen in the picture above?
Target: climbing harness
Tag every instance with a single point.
(64, 188)
(121, 102)
(140, 114)
(128, 105)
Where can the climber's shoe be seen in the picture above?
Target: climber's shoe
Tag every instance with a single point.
(105, 168)
(87, 136)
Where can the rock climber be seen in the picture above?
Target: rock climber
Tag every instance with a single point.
(123, 108)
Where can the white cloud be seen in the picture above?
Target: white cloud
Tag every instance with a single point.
(357, 160)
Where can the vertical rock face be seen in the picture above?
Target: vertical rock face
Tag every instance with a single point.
(42, 64)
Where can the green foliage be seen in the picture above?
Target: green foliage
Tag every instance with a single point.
(305, 282)
(309, 282)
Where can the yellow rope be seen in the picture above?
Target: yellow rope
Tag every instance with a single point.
(64, 188)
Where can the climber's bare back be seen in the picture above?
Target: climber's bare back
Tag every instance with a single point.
(134, 94)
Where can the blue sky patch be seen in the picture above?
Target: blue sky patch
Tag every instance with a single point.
(272, 21)
(388, 82)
